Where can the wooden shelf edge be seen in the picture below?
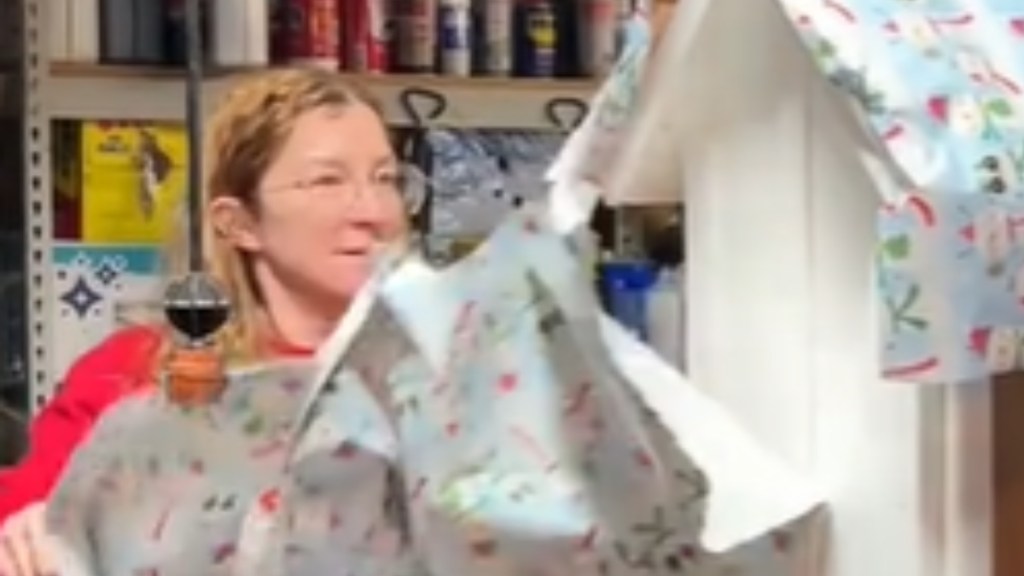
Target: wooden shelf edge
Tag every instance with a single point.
(108, 71)
(80, 91)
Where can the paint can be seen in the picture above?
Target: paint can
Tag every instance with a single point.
(416, 35)
(456, 36)
(311, 33)
(493, 36)
(536, 38)
(367, 37)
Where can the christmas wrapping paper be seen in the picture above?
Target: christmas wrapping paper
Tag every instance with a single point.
(938, 87)
(481, 419)
(972, 247)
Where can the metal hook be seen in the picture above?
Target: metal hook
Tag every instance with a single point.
(566, 113)
(413, 101)
(423, 107)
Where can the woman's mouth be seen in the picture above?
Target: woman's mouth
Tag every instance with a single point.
(354, 252)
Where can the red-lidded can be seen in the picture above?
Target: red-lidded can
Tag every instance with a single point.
(368, 27)
(416, 28)
(312, 30)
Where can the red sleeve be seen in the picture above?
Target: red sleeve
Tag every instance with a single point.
(102, 376)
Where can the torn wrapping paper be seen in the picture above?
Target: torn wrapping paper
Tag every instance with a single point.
(481, 419)
(938, 85)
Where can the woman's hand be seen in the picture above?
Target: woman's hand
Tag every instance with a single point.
(195, 376)
(26, 548)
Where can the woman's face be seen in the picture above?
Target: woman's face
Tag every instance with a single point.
(325, 204)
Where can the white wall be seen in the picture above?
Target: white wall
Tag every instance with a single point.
(782, 318)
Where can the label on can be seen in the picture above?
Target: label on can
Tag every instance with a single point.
(542, 35)
(368, 28)
(417, 35)
(313, 30)
(455, 40)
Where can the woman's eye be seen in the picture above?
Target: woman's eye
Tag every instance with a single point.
(328, 180)
(388, 179)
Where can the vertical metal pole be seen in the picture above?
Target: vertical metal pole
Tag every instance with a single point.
(38, 202)
(195, 304)
(194, 120)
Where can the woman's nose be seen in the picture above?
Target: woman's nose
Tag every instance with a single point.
(368, 206)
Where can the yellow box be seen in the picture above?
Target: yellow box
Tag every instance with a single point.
(133, 181)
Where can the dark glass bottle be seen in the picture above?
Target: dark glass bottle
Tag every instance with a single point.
(175, 35)
(567, 44)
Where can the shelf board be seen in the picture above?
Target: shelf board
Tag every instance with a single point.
(99, 92)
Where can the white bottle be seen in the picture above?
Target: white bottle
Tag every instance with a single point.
(241, 32)
(666, 317)
(83, 29)
(455, 23)
(73, 31)
(58, 33)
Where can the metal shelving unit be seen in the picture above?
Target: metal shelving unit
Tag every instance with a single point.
(38, 201)
(77, 91)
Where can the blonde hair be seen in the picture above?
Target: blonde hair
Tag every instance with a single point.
(242, 138)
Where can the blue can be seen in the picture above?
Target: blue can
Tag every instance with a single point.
(625, 289)
(536, 38)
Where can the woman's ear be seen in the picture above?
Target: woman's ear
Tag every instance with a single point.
(234, 223)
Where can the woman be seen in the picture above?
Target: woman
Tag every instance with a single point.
(302, 187)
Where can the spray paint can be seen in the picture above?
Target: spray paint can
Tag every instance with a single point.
(598, 24)
(456, 50)
(417, 35)
(368, 25)
(312, 32)
(493, 36)
(536, 38)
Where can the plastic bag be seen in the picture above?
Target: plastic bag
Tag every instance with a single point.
(479, 176)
